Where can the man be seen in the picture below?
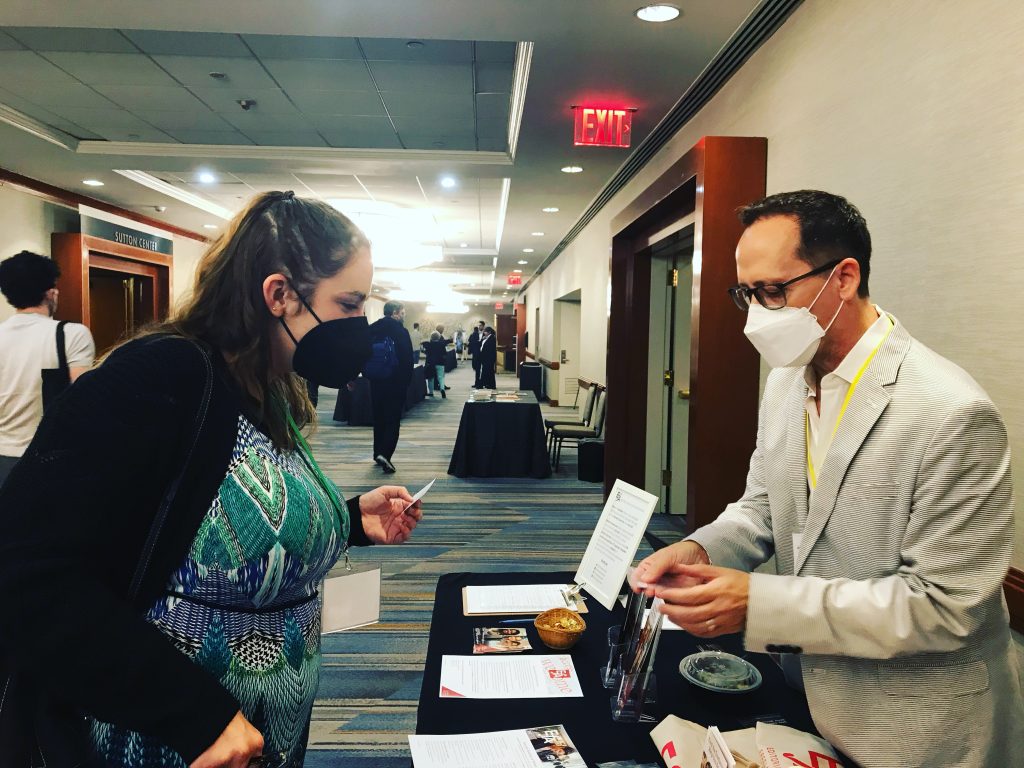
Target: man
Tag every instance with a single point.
(474, 351)
(389, 393)
(881, 483)
(439, 328)
(488, 358)
(29, 340)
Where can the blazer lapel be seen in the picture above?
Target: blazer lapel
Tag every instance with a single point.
(869, 401)
(796, 450)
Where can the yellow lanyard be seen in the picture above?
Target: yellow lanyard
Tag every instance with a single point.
(842, 410)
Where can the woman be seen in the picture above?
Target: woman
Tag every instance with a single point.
(166, 533)
(437, 349)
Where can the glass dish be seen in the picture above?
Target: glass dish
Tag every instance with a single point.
(720, 671)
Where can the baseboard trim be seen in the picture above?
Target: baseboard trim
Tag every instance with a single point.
(1013, 588)
(553, 403)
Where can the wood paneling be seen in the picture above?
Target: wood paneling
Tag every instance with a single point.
(1013, 588)
(716, 177)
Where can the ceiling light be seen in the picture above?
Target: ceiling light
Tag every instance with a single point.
(92, 182)
(549, 210)
(463, 245)
(209, 226)
(572, 169)
(527, 250)
(205, 177)
(447, 182)
(522, 261)
(518, 270)
(414, 44)
(658, 13)
(537, 234)
(218, 75)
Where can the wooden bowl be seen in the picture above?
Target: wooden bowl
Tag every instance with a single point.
(560, 628)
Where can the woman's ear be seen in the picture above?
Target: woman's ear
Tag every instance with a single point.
(276, 294)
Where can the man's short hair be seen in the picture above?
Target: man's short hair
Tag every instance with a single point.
(439, 328)
(26, 277)
(479, 322)
(393, 306)
(831, 227)
(489, 330)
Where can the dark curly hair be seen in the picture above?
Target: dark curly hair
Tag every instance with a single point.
(26, 277)
(831, 227)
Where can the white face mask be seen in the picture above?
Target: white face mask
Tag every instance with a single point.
(787, 337)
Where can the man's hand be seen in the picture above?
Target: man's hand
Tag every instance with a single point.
(713, 601)
(384, 520)
(234, 748)
(657, 568)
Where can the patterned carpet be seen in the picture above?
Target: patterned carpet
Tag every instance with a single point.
(371, 677)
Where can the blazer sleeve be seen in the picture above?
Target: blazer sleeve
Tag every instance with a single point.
(741, 537)
(403, 346)
(954, 557)
(74, 514)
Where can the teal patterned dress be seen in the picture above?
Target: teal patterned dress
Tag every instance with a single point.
(244, 604)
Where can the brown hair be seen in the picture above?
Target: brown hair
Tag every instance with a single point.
(305, 240)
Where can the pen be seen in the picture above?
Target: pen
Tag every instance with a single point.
(516, 621)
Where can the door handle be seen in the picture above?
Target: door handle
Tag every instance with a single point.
(564, 358)
(684, 394)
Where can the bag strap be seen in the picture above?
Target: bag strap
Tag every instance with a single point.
(62, 352)
(172, 489)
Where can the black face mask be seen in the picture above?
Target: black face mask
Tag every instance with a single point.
(333, 353)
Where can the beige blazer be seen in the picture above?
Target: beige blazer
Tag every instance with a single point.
(894, 599)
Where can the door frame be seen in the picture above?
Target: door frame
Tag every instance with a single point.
(716, 177)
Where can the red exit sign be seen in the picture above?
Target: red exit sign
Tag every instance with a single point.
(515, 279)
(499, 305)
(602, 126)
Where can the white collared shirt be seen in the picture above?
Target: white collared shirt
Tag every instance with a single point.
(834, 387)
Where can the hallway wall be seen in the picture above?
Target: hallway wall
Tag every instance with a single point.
(912, 111)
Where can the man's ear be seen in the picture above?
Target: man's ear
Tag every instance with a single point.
(849, 278)
(277, 293)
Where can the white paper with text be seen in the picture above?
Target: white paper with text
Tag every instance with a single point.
(519, 677)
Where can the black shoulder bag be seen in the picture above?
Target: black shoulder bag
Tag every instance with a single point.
(56, 380)
(36, 729)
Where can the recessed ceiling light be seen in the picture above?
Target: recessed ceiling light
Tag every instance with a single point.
(522, 261)
(549, 210)
(527, 250)
(537, 234)
(517, 270)
(218, 75)
(92, 182)
(209, 226)
(572, 169)
(414, 44)
(463, 245)
(658, 13)
(447, 182)
(205, 177)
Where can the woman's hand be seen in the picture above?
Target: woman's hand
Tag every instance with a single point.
(238, 744)
(385, 517)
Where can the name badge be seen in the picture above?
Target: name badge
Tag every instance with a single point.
(350, 600)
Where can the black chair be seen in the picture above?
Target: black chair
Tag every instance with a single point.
(588, 411)
(561, 433)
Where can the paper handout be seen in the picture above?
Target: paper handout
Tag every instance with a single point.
(518, 598)
(614, 542)
(516, 677)
(528, 748)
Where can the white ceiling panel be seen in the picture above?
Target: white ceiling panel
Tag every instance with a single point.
(287, 138)
(337, 102)
(187, 136)
(255, 120)
(320, 74)
(437, 78)
(368, 140)
(112, 68)
(195, 70)
(458, 141)
(494, 51)
(390, 49)
(30, 67)
(355, 123)
(144, 97)
(429, 106)
(268, 100)
(492, 143)
(141, 134)
(299, 47)
(95, 40)
(98, 120)
(492, 108)
(192, 120)
(188, 43)
(45, 116)
(492, 129)
(428, 126)
(493, 78)
(61, 94)
(8, 43)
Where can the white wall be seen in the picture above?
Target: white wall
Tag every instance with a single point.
(913, 111)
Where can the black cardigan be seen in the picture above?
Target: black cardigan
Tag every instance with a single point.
(74, 516)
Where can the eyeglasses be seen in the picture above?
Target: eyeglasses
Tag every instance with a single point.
(772, 295)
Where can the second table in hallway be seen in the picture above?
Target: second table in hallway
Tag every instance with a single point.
(501, 439)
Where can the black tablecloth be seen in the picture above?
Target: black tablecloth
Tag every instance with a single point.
(588, 720)
(450, 363)
(356, 405)
(501, 440)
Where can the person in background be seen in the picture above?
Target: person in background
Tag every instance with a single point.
(417, 341)
(474, 351)
(30, 341)
(436, 350)
(389, 394)
(880, 483)
(488, 357)
(439, 328)
(166, 535)
(460, 345)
